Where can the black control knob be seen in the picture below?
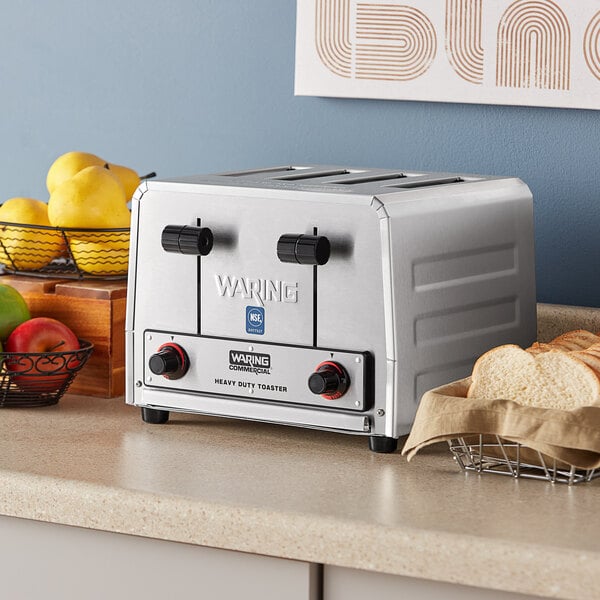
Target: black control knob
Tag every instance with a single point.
(324, 382)
(303, 249)
(185, 239)
(330, 380)
(170, 361)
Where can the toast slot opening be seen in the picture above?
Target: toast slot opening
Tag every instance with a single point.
(313, 175)
(257, 171)
(367, 179)
(431, 182)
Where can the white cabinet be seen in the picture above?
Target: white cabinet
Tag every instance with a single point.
(352, 584)
(57, 562)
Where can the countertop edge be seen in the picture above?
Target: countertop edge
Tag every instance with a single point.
(438, 556)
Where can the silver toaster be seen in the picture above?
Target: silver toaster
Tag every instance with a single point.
(322, 297)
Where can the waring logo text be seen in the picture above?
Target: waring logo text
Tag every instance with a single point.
(251, 362)
(261, 290)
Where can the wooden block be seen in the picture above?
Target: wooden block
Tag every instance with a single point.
(107, 290)
(95, 311)
(31, 284)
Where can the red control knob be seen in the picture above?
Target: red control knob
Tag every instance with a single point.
(171, 361)
(330, 380)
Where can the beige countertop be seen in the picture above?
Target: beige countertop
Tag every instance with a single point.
(300, 494)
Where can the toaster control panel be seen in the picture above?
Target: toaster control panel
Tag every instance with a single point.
(332, 379)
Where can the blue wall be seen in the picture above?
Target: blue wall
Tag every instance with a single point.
(195, 86)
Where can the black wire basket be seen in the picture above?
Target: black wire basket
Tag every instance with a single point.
(39, 378)
(65, 252)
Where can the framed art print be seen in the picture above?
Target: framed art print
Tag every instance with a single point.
(526, 52)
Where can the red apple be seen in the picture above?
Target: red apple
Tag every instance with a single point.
(41, 374)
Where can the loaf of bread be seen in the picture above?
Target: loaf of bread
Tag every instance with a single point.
(562, 374)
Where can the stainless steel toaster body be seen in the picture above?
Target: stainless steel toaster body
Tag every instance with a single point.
(322, 297)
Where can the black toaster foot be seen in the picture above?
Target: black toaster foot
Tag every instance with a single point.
(382, 444)
(154, 416)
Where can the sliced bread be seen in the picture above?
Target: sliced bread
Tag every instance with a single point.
(550, 379)
(539, 347)
(594, 350)
(591, 360)
(578, 339)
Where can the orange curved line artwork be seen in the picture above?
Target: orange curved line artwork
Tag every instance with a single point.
(591, 45)
(534, 46)
(463, 39)
(393, 42)
(332, 35)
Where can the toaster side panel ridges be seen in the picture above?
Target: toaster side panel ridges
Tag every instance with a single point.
(464, 282)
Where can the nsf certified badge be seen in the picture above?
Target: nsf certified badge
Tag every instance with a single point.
(255, 320)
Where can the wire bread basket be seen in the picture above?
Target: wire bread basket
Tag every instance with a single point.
(492, 454)
(44, 251)
(39, 378)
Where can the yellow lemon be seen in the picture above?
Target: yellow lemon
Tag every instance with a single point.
(69, 164)
(128, 178)
(93, 198)
(109, 257)
(24, 248)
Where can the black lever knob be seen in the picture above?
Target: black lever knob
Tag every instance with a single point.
(170, 361)
(303, 249)
(185, 239)
(329, 380)
(324, 382)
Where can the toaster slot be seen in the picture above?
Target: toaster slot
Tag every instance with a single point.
(428, 183)
(370, 178)
(314, 174)
(258, 171)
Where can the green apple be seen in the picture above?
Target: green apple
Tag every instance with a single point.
(13, 310)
